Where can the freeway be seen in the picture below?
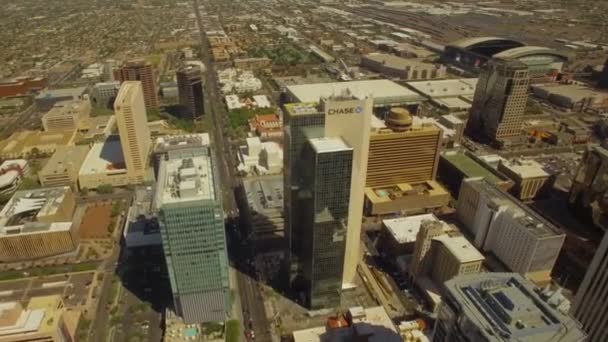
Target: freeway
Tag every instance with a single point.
(249, 293)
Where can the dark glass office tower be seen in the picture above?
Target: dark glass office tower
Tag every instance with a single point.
(190, 90)
(300, 120)
(324, 195)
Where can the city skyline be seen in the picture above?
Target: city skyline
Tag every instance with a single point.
(303, 171)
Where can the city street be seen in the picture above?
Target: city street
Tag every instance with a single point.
(250, 296)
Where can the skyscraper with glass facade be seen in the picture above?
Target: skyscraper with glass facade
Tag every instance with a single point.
(192, 229)
(324, 202)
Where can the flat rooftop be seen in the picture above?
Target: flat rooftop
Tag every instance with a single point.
(302, 108)
(177, 142)
(329, 144)
(141, 226)
(104, 158)
(63, 92)
(187, 179)
(469, 167)
(18, 142)
(505, 307)
(528, 218)
(20, 215)
(445, 88)
(525, 168)
(384, 92)
(65, 157)
(460, 247)
(405, 229)
(396, 62)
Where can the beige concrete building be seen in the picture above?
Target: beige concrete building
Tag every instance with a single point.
(104, 165)
(67, 116)
(405, 198)
(454, 256)
(37, 224)
(500, 101)
(44, 320)
(519, 237)
(422, 259)
(21, 144)
(402, 150)
(63, 167)
(131, 119)
(404, 68)
(529, 176)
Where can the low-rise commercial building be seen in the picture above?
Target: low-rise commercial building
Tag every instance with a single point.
(456, 166)
(453, 256)
(21, 85)
(369, 324)
(63, 167)
(385, 93)
(37, 224)
(11, 173)
(454, 95)
(404, 68)
(573, 96)
(267, 126)
(103, 94)
(398, 235)
(530, 178)
(260, 157)
(48, 98)
(104, 165)
(500, 307)
(67, 116)
(405, 198)
(21, 144)
(141, 226)
(252, 63)
(519, 237)
(44, 319)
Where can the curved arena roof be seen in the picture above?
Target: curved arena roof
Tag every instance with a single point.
(466, 43)
(525, 51)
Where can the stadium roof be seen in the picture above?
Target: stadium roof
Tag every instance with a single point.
(525, 51)
(470, 42)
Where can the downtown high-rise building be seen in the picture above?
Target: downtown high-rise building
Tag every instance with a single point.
(589, 186)
(140, 70)
(500, 101)
(500, 307)
(591, 301)
(603, 77)
(323, 211)
(398, 142)
(132, 123)
(191, 221)
(190, 90)
(343, 117)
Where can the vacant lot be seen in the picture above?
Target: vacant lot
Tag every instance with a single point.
(96, 221)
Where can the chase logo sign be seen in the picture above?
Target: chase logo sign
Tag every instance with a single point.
(347, 110)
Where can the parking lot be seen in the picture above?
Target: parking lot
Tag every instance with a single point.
(265, 193)
(265, 198)
(563, 165)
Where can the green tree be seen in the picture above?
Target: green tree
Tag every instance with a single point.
(28, 183)
(105, 189)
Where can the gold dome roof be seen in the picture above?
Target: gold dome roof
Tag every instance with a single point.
(399, 119)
